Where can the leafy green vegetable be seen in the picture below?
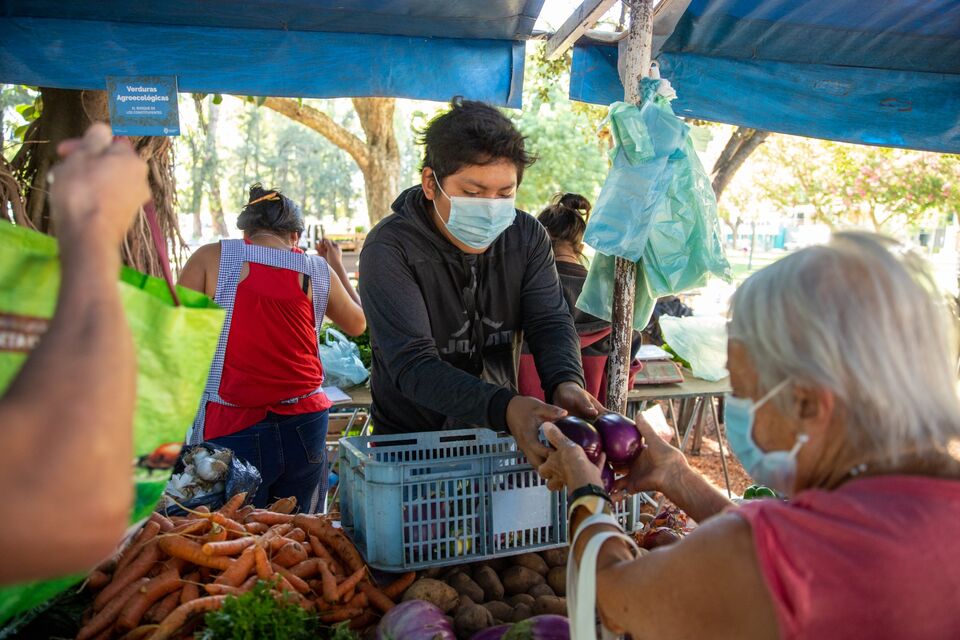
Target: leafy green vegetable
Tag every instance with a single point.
(260, 614)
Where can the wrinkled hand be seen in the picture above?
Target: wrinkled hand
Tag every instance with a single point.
(567, 464)
(524, 417)
(99, 186)
(330, 251)
(655, 468)
(575, 399)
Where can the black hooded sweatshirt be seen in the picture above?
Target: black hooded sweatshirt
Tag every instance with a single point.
(428, 305)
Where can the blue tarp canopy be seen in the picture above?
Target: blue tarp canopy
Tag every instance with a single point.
(424, 49)
(882, 73)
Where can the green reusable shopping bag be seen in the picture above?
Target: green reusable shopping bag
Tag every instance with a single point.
(174, 346)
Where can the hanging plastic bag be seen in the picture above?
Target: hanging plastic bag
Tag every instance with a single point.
(342, 366)
(645, 138)
(657, 208)
(701, 341)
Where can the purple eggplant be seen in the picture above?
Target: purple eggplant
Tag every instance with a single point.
(545, 627)
(620, 437)
(608, 477)
(583, 434)
(491, 633)
(415, 620)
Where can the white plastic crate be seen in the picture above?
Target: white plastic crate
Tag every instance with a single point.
(413, 501)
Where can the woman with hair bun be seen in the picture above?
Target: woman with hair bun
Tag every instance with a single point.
(263, 398)
(566, 221)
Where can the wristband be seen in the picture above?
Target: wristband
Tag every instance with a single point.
(595, 504)
(591, 490)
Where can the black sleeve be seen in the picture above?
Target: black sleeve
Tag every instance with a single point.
(400, 328)
(547, 322)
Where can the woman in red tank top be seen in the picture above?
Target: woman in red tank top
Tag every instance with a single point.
(842, 361)
(270, 410)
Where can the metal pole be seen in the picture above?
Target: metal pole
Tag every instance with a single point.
(637, 65)
(753, 241)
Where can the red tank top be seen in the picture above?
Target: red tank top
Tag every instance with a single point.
(271, 353)
(876, 558)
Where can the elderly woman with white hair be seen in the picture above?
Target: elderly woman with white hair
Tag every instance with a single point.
(842, 360)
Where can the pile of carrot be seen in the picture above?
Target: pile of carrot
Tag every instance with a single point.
(177, 568)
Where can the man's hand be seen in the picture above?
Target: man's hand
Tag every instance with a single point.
(575, 399)
(567, 465)
(658, 466)
(524, 417)
(330, 251)
(99, 186)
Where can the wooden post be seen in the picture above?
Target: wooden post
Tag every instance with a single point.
(637, 65)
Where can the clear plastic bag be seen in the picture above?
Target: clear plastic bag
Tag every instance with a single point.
(701, 341)
(342, 366)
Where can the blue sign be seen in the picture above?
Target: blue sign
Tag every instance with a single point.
(143, 105)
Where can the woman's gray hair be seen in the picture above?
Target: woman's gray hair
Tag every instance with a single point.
(862, 317)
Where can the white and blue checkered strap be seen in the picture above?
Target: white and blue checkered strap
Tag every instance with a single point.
(233, 255)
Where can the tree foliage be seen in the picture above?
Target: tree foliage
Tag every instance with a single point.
(564, 135)
(890, 190)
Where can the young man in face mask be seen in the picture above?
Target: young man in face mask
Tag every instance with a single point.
(454, 280)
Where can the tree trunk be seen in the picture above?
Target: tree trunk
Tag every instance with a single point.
(381, 178)
(213, 174)
(378, 156)
(67, 114)
(741, 144)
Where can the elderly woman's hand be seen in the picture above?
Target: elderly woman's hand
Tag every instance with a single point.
(567, 464)
(657, 468)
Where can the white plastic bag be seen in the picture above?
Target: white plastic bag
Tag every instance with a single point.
(701, 341)
(341, 362)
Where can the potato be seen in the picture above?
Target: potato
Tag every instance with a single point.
(519, 579)
(465, 586)
(533, 562)
(464, 603)
(434, 573)
(557, 579)
(434, 592)
(556, 557)
(522, 598)
(489, 581)
(550, 604)
(502, 612)
(522, 612)
(538, 590)
(469, 620)
(497, 564)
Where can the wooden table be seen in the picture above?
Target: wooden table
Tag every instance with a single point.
(698, 394)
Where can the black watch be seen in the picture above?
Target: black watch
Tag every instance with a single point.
(589, 490)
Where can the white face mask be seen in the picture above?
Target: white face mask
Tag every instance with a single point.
(775, 469)
(477, 222)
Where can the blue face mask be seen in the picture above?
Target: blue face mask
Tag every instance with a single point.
(774, 469)
(477, 222)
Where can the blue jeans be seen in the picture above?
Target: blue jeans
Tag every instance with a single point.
(291, 454)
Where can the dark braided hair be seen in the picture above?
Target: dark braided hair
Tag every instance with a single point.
(566, 219)
(271, 210)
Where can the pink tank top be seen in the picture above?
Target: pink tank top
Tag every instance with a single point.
(877, 558)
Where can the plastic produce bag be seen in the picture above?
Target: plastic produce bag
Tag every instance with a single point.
(701, 341)
(341, 362)
(195, 484)
(174, 347)
(657, 208)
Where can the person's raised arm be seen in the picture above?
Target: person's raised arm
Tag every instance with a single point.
(345, 312)
(68, 415)
(333, 254)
